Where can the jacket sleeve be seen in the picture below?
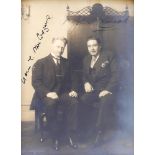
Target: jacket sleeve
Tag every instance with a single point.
(37, 79)
(114, 76)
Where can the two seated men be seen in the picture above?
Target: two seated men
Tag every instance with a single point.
(56, 87)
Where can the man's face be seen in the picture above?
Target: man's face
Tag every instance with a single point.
(58, 47)
(93, 47)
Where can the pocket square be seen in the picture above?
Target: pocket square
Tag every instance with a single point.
(104, 63)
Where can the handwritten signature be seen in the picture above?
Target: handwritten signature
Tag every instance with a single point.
(35, 48)
(45, 29)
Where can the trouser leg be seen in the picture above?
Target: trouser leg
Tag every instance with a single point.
(70, 109)
(87, 120)
(51, 106)
(103, 111)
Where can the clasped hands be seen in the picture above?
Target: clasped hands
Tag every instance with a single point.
(54, 95)
(89, 88)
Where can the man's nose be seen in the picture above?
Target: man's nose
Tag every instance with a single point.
(60, 49)
(92, 48)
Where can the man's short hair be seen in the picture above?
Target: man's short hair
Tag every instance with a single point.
(63, 39)
(94, 38)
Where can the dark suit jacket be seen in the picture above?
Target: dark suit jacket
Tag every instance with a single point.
(44, 79)
(105, 74)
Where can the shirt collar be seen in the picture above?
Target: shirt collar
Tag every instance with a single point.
(96, 58)
(54, 57)
(56, 60)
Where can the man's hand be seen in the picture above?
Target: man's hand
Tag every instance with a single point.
(88, 87)
(103, 93)
(52, 95)
(73, 94)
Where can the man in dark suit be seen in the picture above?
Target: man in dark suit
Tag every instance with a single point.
(54, 90)
(100, 77)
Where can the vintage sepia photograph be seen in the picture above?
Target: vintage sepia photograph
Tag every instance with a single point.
(77, 77)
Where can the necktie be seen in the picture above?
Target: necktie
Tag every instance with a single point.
(58, 65)
(58, 61)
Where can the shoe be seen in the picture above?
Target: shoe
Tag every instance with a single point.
(98, 139)
(72, 143)
(56, 145)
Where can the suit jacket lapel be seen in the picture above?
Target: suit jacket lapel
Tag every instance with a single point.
(88, 64)
(50, 59)
(51, 63)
